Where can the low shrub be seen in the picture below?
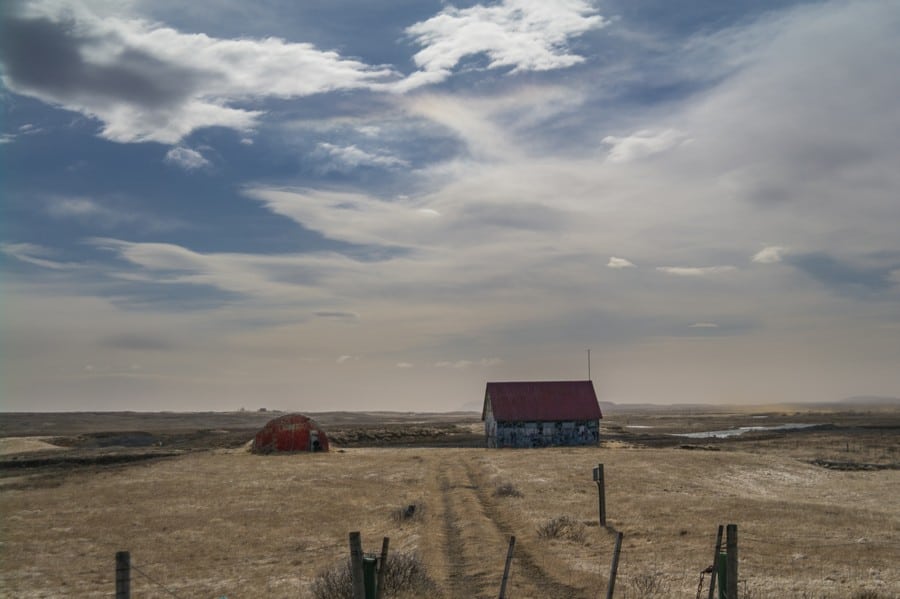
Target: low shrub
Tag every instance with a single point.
(404, 576)
(649, 585)
(562, 527)
(333, 583)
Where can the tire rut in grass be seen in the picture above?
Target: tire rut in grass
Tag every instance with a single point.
(523, 559)
(460, 585)
(474, 548)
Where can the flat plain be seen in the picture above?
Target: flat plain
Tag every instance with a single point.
(816, 508)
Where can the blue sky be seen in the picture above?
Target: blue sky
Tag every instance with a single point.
(362, 205)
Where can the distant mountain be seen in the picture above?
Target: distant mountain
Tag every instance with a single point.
(875, 401)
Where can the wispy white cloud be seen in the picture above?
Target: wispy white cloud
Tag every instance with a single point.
(186, 158)
(704, 325)
(350, 157)
(469, 119)
(107, 212)
(68, 207)
(37, 255)
(642, 144)
(619, 263)
(404, 365)
(461, 364)
(457, 364)
(769, 255)
(353, 217)
(30, 129)
(523, 35)
(695, 271)
(369, 130)
(257, 276)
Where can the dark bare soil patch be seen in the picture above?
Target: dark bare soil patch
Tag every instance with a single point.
(853, 466)
(58, 459)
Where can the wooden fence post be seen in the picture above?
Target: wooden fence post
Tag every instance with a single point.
(731, 567)
(601, 492)
(382, 562)
(356, 566)
(509, 556)
(715, 563)
(123, 575)
(614, 567)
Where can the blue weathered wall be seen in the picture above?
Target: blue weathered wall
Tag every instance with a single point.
(541, 434)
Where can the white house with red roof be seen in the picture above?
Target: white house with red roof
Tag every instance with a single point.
(541, 414)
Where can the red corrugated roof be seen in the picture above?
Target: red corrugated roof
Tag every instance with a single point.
(291, 432)
(542, 400)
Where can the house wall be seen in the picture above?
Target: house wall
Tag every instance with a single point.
(541, 434)
(490, 426)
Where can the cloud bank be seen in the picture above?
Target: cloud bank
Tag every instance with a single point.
(147, 82)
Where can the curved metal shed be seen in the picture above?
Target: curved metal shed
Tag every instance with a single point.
(293, 432)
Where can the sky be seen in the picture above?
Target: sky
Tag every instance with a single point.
(346, 205)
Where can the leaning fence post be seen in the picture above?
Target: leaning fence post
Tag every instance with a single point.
(509, 556)
(123, 575)
(715, 563)
(731, 564)
(356, 566)
(601, 491)
(382, 564)
(614, 567)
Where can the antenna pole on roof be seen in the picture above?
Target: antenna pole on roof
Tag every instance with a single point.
(589, 364)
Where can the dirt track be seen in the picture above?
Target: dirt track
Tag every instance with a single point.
(475, 540)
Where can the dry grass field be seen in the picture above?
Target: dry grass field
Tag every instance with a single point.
(223, 522)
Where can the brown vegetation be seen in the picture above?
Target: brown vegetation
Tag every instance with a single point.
(225, 522)
(405, 575)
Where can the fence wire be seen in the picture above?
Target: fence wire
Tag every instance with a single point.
(154, 581)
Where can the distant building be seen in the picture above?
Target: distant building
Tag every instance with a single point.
(291, 432)
(541, 414)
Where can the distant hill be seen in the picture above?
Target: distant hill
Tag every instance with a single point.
(879, 401)
(471, 406)
(856, 402)
(850, 403)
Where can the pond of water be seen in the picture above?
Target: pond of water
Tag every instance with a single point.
(735, 432)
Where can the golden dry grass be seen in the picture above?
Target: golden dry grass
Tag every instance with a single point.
(230, 523)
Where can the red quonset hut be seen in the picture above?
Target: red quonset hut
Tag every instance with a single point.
(293, 432)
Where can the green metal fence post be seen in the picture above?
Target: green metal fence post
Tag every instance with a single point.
(721, 567)
(370, 575)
